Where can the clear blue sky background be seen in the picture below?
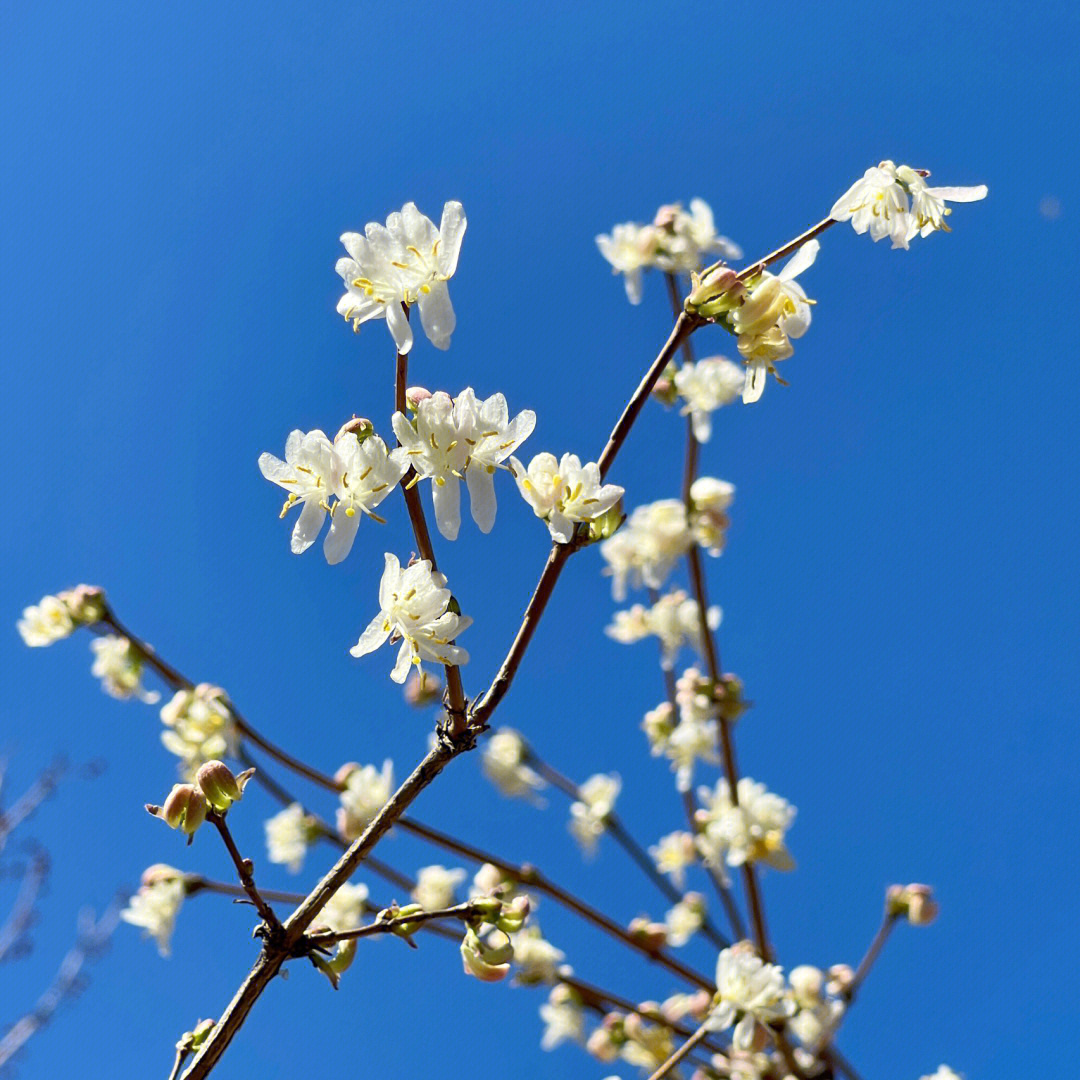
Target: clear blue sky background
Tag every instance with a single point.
(900, 588)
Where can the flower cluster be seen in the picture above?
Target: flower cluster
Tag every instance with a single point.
(358, 472)
(677, 242)
(366, 792)
(748, 992)
(415, 609)
(56, 617)
(751, 832)
(200, 727)
(503, 762)
(289, 833)
(564, 492)
(895, 201)
(406, 262)
(463, 438)
(674, 619)
(155, 906)
(590, 811)
(119, 666)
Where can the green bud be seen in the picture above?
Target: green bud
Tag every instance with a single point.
(216, 781)
(185, 808)
(715, 292)
(607, 524)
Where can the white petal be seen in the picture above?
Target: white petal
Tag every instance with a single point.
(447, 500)
(399, 327)
(633, 286)
(404, 662)
(375, 633)
(437, 315)
(756, 376)
(339, 540)
(742, 1038)
(451, 229)
(959, 194)
(481, 486)
(800, 261)
(274, 469)
(306, 530)
(702, 424)
(560, 527)
(389, 582)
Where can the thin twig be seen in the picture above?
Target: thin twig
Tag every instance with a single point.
(243, 871)
(182, 1053)
(679, 1054)
(872, 952)
(756, 268)
(392, 924)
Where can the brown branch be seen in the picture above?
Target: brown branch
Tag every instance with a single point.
(756, 268)
(679, 1054)
(243, 872)
(392, 924)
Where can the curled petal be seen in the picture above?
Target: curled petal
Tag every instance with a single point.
(437, 314)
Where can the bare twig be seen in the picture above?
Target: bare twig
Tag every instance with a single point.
(393, 923)
(679, 1054)
(243, 871)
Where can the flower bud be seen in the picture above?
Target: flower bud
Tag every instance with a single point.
(717, 291)
(191, 1041)
(841, 976)
(603, 1045)
(665, 390)
(216, 781)
(184, 808)
(915, 902)
(423, 689)
(607, 524)
(487, 962)
(652, 935)
(403, 929)
(728, 694)
(85, 604)
(341, 777)
(806, 984)
(360, 426)
(160, 872)
(414, 395)
(514, 915)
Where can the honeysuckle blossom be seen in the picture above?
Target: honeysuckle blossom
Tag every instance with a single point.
(199, 727)
(673, 854)
(711, 498)
(154, 907)
(366, 792)
(413, 605)
(406, 262)
(685, 919)
(817, 1014)
(119, 666)
(705, 387)
(503, 762)
(345, 909)
(630, 248)
(658, 725)
(288, 834)
(748, 991)
(563, 1017)
(564, 492)
(693, 740)
(461, 438)
(644, 550)
(774, 310)
(536, 961)
(673, 619)
(753, 831)
(879, 203)
(647, 1044)
(364, 473)
(589, 814)
(307, 474)
(436, 887)
(45, 622)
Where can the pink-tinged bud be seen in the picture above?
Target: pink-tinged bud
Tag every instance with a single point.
(85, 604)
(216, 781)
(715, 292)
(423, 689)
(415, 394)
(666, 217)
(158, 873)
(652, 935)
(184, 808)
(728, 694)
(841, 977)
(360, 426)
(807, 983)
(514, 915)
(915, 902)
(486, 962)
(602, 1045)
(341, 777)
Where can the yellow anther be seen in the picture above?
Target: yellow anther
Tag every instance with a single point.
(367, 472)
(349, 511)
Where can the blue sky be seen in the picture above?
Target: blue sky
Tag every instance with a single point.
(900, 588)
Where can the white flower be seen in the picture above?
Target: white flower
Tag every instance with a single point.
(630, 248)
(686, 240)
(774, 310)
(646, 548)
(414, 607)
(45, 622)
(119, 667)
(711, 498)
(537, 961)
(288, 834)
(435, 887)
(367, 790)
(673, 854)
(154, 907)
(589, 814)
(200, 727)
(684, 920)
(364, 473)
(749, 990)
(753, 831)
(563, 1018)
(307, 474)
(459, 439)
(503, 763)
(879, 203)
(673, 619)
(705, 387)
(943, 1073)
(694, 739)
(564, 492)
(407, 262)
(658, 725)
(345, 909)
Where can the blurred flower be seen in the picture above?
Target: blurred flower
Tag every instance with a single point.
(200, 727)
(748, 991)
(154, 907)
(589, 814)
(288, 834)
(563, 1018)
(435, 887)
(119, 666)
(673, 854)
(753, 831)
(367, 790)
(45, 622)
(684, 920)
(644, 550)
(673, 619)
(503, 762)
(705, 387)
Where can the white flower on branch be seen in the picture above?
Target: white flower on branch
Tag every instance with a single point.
(748, 991)
(307, 474)
(288, 835)
(685, 919)
(644, 551)
(563, 1017)
(673, 854)
(156, 904)
(406, 262)
(711, 498)
(673, 619)
(461, 438)
(200, 727)
(752, 832)
(630, 248)
(705, 387)
(345, 909)
(564, 492)
(436, 887)
(366, 792)
(503, 762)
(45, 622)
(414, 608)
(119, 666)
(589, 814)
(536, 961)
